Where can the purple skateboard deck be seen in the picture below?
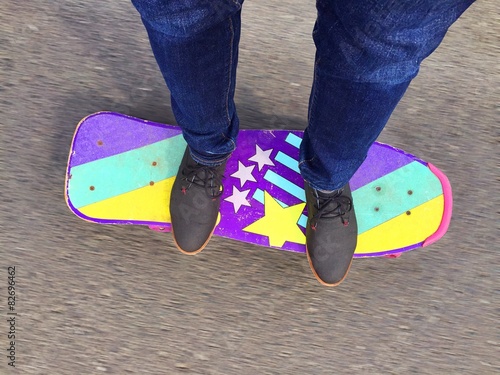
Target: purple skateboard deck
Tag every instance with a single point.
(121, 169)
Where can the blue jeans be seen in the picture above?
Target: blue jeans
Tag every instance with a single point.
(367, 53)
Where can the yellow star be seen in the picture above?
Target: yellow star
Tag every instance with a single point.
(278, 223)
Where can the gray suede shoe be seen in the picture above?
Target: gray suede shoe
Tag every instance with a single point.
(194, 204)
(331, 234)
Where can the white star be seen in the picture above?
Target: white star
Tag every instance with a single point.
(238, 199)
(244, 173)
(262, 157)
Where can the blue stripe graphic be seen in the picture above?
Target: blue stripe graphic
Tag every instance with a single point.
(286, 185)
(302, 221)
(259, 197)
(293, 140)
(287, 161)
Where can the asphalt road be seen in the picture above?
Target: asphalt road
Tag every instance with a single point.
(120, 300)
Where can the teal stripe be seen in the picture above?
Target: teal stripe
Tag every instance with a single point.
(286, 185)
(393, 199)
(122, 173)
(302, 221)
(287, 161)
(259, 197)
(293, 140)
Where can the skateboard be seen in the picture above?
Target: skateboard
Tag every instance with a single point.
(121, 170)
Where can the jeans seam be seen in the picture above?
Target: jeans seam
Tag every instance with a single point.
(230, 70)
(306, 160)
(313, 93)
(375, 82)
(230, 140)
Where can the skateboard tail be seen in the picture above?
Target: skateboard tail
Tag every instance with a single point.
(96, 144)
(68, 168)
(448, 206)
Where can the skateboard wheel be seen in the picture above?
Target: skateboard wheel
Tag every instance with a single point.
(158, 228)
(395, 255)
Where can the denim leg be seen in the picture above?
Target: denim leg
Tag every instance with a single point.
(367, 53)
(195, 43)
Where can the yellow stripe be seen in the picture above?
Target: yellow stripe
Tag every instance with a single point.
(149, 203)
(404, 230)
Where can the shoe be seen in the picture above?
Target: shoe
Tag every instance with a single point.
(194, 204)
(331, 234)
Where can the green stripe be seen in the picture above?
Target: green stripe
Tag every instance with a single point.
(122, 173)
(393, 199)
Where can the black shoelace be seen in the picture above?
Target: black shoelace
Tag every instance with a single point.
(204, 177)
(331, 207)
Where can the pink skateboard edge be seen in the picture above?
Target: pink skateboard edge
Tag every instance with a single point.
(448, 206)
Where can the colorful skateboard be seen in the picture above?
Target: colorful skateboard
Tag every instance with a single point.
(121, 169)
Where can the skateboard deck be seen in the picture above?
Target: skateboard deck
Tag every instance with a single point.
(121, 169)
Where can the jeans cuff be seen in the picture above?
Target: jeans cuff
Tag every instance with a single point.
(209, 161)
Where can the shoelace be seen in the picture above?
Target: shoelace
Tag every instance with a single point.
(332, 207)
(204, 177)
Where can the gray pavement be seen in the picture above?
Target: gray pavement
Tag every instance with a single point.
(122, 300)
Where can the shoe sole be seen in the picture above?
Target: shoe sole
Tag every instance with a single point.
(196, 251)
(319, 278)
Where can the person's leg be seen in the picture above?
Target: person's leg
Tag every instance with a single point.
(367, 54)
(195, 43)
